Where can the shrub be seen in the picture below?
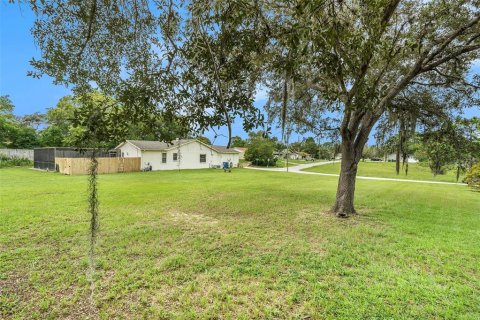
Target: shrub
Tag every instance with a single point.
(6, 161)
(260, 152)
(472, 178)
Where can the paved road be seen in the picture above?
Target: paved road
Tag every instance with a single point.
(299, 168)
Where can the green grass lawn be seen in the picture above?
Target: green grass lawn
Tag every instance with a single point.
(243, 245)
(387, 170)
(283, 163)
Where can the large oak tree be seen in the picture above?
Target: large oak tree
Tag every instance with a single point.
(350, 60)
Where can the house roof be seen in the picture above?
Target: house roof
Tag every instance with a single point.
(157, 145)
(222, 149)
(240, 149)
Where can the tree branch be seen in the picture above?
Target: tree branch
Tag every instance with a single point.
(93, 10)
(451, 37)
(387, 14)
(219, 85)
(449, 57)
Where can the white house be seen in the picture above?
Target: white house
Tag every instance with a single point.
(241, 152)
(179, 154)
(393, 157)
(292, 155)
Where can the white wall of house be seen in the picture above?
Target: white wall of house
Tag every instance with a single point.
(283, 155)
(393, 157)
(228, 157)
(241, 154)
(187, 157)
(129, 150)
(294, 156)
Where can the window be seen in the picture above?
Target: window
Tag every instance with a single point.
(175, 156)
(203, 158)
(164, 158)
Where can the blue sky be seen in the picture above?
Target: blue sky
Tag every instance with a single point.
(30, 95)
(16, 50)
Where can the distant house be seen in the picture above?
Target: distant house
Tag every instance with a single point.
(393, 157)
(179, 154)
(292, 155)
(305, 156)
(241, 152)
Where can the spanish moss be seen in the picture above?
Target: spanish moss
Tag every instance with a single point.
(93, 210)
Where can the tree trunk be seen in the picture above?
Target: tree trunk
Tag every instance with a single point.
(229, 126)
(346, 183)
(397, 162)
(355, 129)
(399, 147)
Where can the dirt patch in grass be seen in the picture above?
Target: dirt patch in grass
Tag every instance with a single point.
(13, 290)
(82, 307)
(68, 303)
(195, 219)
(311, 215)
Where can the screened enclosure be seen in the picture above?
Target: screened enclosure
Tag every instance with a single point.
(44, 158)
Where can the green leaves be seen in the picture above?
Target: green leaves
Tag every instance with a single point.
(473, 177)
(17, 132)
(184, 60)
(260, 149)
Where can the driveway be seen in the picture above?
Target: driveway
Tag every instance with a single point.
(300, 167)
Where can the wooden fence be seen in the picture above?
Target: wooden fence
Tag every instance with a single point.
(73, 166)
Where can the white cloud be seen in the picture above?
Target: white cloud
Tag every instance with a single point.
(261, 94)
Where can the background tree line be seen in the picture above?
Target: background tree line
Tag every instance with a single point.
(452, 145)
(67, 124)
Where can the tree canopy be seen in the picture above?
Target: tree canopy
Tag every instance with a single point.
(260, 149)
(162, 57)
(16, 132)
